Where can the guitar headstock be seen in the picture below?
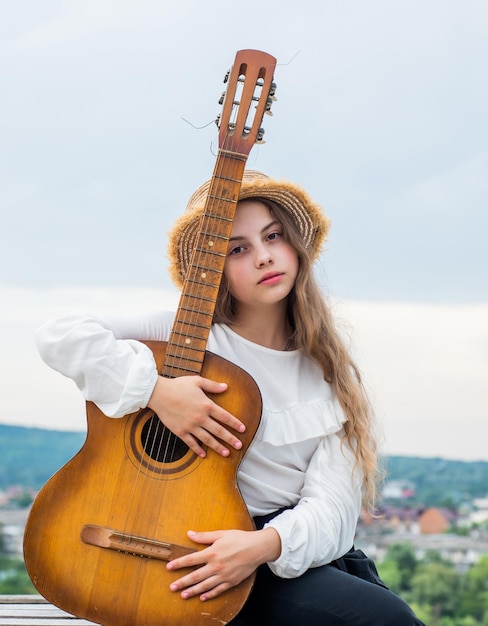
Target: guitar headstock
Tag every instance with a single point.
(249, 82)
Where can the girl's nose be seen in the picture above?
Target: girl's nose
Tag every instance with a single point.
(263, 258)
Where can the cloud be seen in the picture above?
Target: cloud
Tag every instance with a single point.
(427, 368)
(73, 21)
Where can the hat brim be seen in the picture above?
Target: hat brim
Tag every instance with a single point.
(309, 217)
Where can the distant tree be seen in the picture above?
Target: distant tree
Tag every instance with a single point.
(14, 578)
(474, 591)
(437, 584)
(390, 574)
(424, 613)
(403, 557)
(467, 620)
(24, 499)
(434, 556)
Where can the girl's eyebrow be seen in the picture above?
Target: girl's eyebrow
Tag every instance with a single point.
(273, 223)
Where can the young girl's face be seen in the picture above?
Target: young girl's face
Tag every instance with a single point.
(261, 267)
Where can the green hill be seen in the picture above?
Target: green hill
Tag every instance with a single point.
(438, 481)
(29, 457)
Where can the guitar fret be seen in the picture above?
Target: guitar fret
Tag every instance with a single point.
(233, 155)
(203, 267)
(181, 350)
(204, 283)
(213, 196)
(173, 371)
(220, 198)
(195, 311)
(199, 297)
(214, 235)
(209, 251)
(191, 324)
(228, 178)
(184, 352)
(178, 358)
(188, 336)
(216, 218)
(200, 266)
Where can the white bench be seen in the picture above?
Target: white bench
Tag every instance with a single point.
(32, 610)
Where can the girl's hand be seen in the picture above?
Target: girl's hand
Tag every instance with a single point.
(231, 556)
(183, 407)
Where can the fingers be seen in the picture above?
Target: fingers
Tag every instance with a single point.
(206, 588)
(184, 406)
(214, 431)
(206, 431)
(218, 413)
(203, 436)
(228, 558)
(204, 581)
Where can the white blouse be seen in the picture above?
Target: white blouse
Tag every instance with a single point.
(296, 459)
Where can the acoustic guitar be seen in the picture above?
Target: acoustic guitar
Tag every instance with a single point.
(101, 530)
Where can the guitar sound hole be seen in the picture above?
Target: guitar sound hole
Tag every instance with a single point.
(160, 443)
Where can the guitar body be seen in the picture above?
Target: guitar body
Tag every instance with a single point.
(114, 485)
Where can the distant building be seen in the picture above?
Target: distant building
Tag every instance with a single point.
(434, 521)
(398, 490)
(417, 520)
(13, 523)
(480, 513)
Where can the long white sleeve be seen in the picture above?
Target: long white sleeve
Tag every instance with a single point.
(105, 358)
(321, 527)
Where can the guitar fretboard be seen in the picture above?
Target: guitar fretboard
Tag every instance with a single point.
(186, 347)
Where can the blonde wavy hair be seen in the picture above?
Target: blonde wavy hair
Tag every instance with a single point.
(316, 335)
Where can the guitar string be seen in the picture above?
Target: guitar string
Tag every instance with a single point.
(200, 259)
(156, 431)
(205, 233)
(156, 428)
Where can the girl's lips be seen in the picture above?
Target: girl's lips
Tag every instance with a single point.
(270, 278)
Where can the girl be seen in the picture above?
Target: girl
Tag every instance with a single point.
(313, 458)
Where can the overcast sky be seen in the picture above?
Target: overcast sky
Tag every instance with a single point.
(106, 122)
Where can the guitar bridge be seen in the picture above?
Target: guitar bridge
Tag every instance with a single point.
(132, 544)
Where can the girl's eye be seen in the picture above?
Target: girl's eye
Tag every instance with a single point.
(273, 236)
(236, 250)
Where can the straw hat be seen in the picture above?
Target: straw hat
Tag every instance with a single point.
(312, 224)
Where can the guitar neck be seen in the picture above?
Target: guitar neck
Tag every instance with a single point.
(249, 94)
(186, 347)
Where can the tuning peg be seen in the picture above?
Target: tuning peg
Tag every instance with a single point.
(269, 104)
(260, 135)
(272, 91)
(226, 77)
(222, 98)
(217, 120)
